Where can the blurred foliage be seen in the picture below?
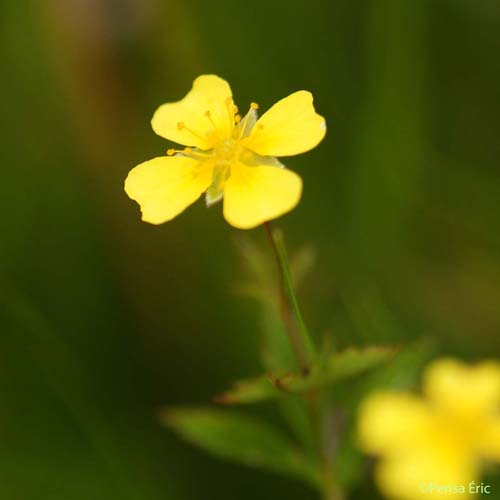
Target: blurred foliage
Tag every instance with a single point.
(336, 367)
(240, 438)
(105, 319)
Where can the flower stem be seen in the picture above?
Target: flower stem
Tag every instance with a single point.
(305, 354)
(297, 331)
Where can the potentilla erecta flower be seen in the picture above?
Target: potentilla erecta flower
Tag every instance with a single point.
(435, 446)
(228, 157)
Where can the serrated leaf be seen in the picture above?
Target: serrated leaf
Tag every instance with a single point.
(249, 391)
(334, 368)
(241, 438)
(338, 366)
(264, 388)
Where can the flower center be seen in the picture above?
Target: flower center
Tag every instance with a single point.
(227, 151)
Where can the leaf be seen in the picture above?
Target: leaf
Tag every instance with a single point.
(404, 371)
(264, 388)
(241, 438)
(261, 281)
(302, 262)
(335, 368)
(339, 366)
(250, 391)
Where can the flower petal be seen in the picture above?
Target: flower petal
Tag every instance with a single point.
(489, 441)
(431, 473)
(165, 186)
(390, 421)
(290, 127)
(253, 195)
(420, 452)
(462, 389)
(204, 115)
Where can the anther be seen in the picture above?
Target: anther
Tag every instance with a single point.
(237, 119)
(232, 108)
(243, 126)
(208, 114)
(171, 152)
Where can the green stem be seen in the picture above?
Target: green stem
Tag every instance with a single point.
(297, 331)
(305, 354)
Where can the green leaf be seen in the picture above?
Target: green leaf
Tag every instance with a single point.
(262, 282)
(334, 368)
(337, 367)
(250, 391)
(302, 262)
(264, 388)
(241, 438)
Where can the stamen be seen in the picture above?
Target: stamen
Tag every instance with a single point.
(209, 116)
(253, 106)
(196, 154)
(182, 126)
(237, 119)
(189, 153)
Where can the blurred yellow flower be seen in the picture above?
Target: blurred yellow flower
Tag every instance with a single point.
(435, 446)
(226, 156)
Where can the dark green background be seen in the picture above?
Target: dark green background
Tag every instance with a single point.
(105, 319)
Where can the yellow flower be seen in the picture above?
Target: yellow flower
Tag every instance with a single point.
(226, 156)
(435, 447)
